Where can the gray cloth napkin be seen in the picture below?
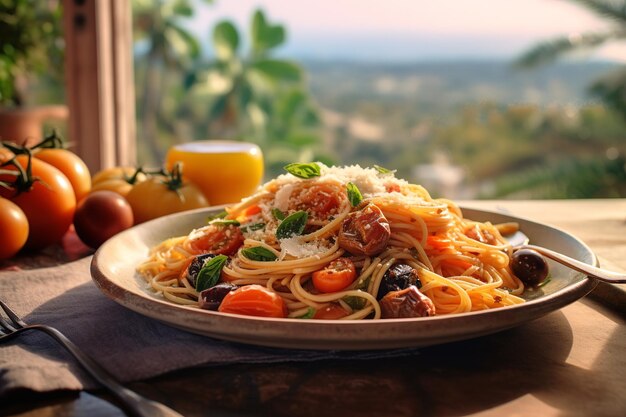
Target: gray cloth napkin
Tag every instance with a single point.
(130, 346)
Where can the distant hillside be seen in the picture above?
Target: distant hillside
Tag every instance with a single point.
(445, 85)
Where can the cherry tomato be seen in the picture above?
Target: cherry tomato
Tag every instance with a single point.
(71, 166)
(332, 311)
(117, 179)
(49, 203)
(152, 198)
(101, 215)
(253, 300)
(320, 201)
(365, 232)
(219, 240)
(14, 226)
(336, 276)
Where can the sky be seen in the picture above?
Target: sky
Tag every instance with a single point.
(411, 29)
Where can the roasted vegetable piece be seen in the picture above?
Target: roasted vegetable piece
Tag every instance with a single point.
(529, 266)
(398, 277)
(365, 232)
(406, 303)
(211, 298)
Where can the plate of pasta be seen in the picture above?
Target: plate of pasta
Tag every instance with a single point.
(347, 258)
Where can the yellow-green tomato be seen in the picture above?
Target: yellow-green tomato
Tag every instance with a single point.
(14, 227)
(153, 198)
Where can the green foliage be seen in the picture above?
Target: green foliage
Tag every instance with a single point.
(257, 97)
(31, 44)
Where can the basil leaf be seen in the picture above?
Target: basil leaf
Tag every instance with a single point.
(293, 225)
(209, 275)
(354, 195)
(219, 215)
(383, 170)
(355, 303)
(305, 171)
(253, 227)
(310, 313)
(259, 253)
(278, 215)
(220, 222)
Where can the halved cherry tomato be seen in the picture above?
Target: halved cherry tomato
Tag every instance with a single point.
(253, 300)
(218, 239)
(339, 274)
(332, 311)
(71, 166)
(14, 226)
(49, 202)
(320, 201)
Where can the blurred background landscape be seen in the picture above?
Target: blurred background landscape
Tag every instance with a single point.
(472, 99)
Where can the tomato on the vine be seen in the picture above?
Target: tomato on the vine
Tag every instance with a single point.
(117, 179)
(44, 194)
(71, 166)
(14, 226)
(161, 195)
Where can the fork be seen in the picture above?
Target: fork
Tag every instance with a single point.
(132, 403)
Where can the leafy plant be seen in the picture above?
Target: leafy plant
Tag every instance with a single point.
(255, 96)
(31, 43)
(168, 47)
(611, 88)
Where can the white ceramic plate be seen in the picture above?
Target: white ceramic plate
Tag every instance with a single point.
(113, 270)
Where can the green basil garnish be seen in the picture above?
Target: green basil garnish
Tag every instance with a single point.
(354, 195)
(259, 253)
(383, 170)
(209, 275)
(305, 171)
(252, 227)
(219, 215)
(310, 313)
(278, 215)
(293, 225)
(355, 303)
(220, 222)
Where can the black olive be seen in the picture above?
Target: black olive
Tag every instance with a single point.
(211, 298)
(529, 266)
(398, 277)
(196, 265)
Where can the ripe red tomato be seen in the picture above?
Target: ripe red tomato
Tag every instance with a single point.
(48, 203)
(14, 226)
(253, 300)
(101, 215)
(71, 166)
(336, 276)
(219, 240)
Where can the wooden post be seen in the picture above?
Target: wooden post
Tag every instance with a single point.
(99, 80)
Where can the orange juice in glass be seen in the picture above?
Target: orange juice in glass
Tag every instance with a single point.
(225, 171)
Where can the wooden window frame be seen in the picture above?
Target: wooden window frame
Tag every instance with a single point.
(100, 81)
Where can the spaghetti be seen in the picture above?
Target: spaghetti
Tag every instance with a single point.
(300, 236)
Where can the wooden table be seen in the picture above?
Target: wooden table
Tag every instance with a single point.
(569, 363)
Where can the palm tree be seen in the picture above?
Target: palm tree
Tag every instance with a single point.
(611, 88)
(168, 47)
